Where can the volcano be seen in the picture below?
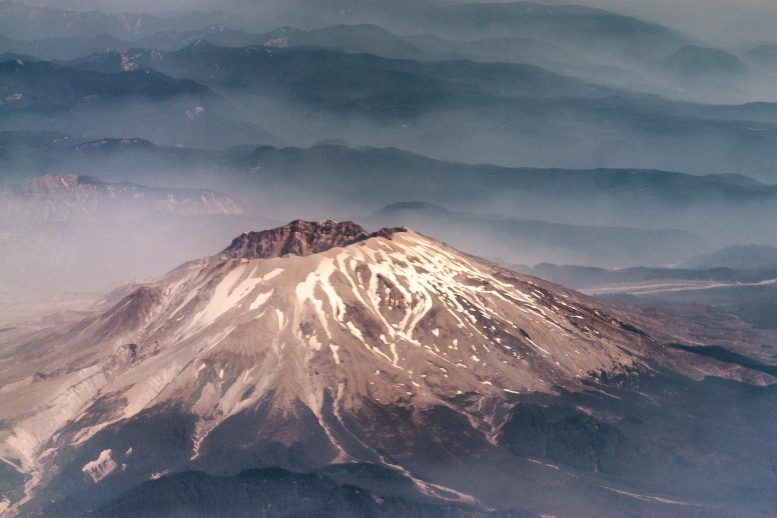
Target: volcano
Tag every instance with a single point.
(319, 347)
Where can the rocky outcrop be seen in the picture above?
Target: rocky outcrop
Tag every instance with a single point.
(299, 238)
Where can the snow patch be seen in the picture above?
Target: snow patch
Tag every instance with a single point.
(228, 294)
(260, 300)
(281, 319)
(273, 274)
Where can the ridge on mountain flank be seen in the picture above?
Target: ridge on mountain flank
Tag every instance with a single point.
(299, 238)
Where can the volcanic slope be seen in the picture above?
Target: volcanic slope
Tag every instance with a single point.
(313, 344)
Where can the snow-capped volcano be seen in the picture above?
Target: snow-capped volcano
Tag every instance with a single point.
(299, 344)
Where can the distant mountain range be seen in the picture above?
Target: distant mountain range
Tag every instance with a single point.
(43, 95)
(584, 277)
(23, 21)
(693, 61)
(592, 29)
(533, 77)
(531, 241)
(359, 38)
(62, 48)
(739, 281)
(67, 197)
(290, 180)
(45, 87)
(758, 257)
(610, 217)
(296, 70)
(309, 94)
(592, 44)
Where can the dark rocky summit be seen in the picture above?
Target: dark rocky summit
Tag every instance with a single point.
(300, 238)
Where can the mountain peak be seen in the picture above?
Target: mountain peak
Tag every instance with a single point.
(66, 197)
(299, 238)
(57, 182)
